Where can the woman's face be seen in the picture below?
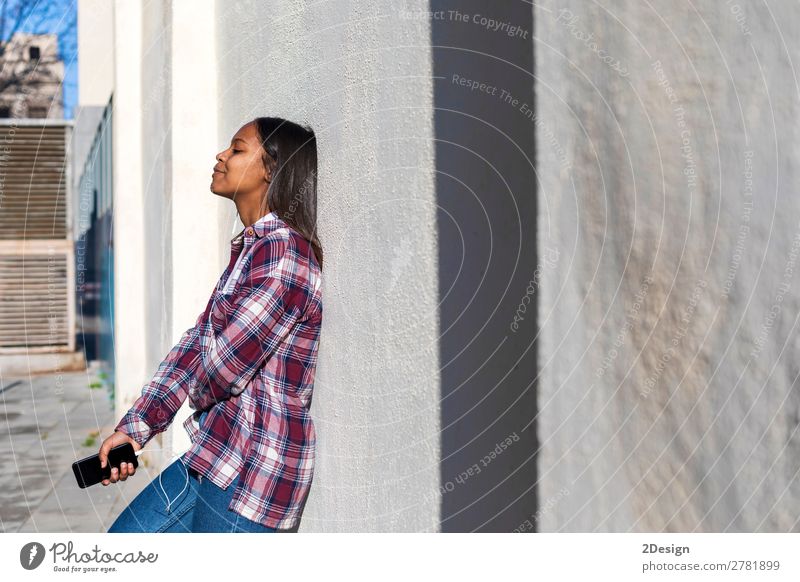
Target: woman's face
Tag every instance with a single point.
(240, 171)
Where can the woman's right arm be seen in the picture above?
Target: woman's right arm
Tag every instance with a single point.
(160, 399)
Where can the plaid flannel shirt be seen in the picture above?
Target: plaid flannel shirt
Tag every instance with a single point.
(250, 361)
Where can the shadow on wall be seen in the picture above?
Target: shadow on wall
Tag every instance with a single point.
(484, 127)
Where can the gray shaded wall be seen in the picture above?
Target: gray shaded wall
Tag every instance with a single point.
(669, 398)
(157, 181)
(486, 222)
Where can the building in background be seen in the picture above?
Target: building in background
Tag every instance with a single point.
(93, 189)
(31, 77)
(37, 292)
(94, 245)
(37, 274)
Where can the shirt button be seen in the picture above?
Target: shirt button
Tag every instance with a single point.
(250, 232)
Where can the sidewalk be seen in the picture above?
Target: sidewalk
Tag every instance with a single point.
(46, 423)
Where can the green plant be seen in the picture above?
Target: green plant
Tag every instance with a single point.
(91, 440)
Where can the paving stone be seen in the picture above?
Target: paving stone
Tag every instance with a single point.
(41, 434)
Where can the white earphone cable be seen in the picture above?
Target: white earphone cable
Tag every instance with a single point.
(178, 456)
(186, 485)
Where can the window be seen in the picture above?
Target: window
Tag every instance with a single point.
(37, 112)
(33, 53)
(5, 112)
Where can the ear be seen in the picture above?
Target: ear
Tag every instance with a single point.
(268, 175)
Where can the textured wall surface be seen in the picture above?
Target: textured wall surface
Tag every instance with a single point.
(363, 81)
(95, 82)
(163, 209)
(156, 123)
(667, 153)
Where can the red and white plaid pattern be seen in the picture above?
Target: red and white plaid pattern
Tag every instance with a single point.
(250, 361)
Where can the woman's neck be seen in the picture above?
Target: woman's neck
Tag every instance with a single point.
(250, 216)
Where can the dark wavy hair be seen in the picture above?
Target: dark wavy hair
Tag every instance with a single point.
(290, 150)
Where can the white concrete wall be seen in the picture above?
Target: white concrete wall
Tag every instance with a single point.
(165, 132)
(198, 226)
(668, 391)
(130, 261)
(95, 60)
(363, 81)
(667, 246)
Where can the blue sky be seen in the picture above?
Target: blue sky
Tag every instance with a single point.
(59, 17)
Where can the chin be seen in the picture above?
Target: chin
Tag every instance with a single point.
(218, 192)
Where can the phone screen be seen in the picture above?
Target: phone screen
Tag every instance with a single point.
(88, 471)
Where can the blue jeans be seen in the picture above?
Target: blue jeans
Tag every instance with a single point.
(199, 506)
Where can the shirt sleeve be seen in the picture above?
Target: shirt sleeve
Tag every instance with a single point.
(161, 398)
(257, 319)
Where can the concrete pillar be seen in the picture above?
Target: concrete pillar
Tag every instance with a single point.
(666, 148)
(201, 222)
(130, 266)
(363, 81)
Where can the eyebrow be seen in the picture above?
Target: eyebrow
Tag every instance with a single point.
(238, 139)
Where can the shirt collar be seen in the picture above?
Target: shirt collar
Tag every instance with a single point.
(260, 227)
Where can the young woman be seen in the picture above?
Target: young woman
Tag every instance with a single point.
(247, 366)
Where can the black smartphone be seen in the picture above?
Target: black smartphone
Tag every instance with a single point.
(88, 471)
